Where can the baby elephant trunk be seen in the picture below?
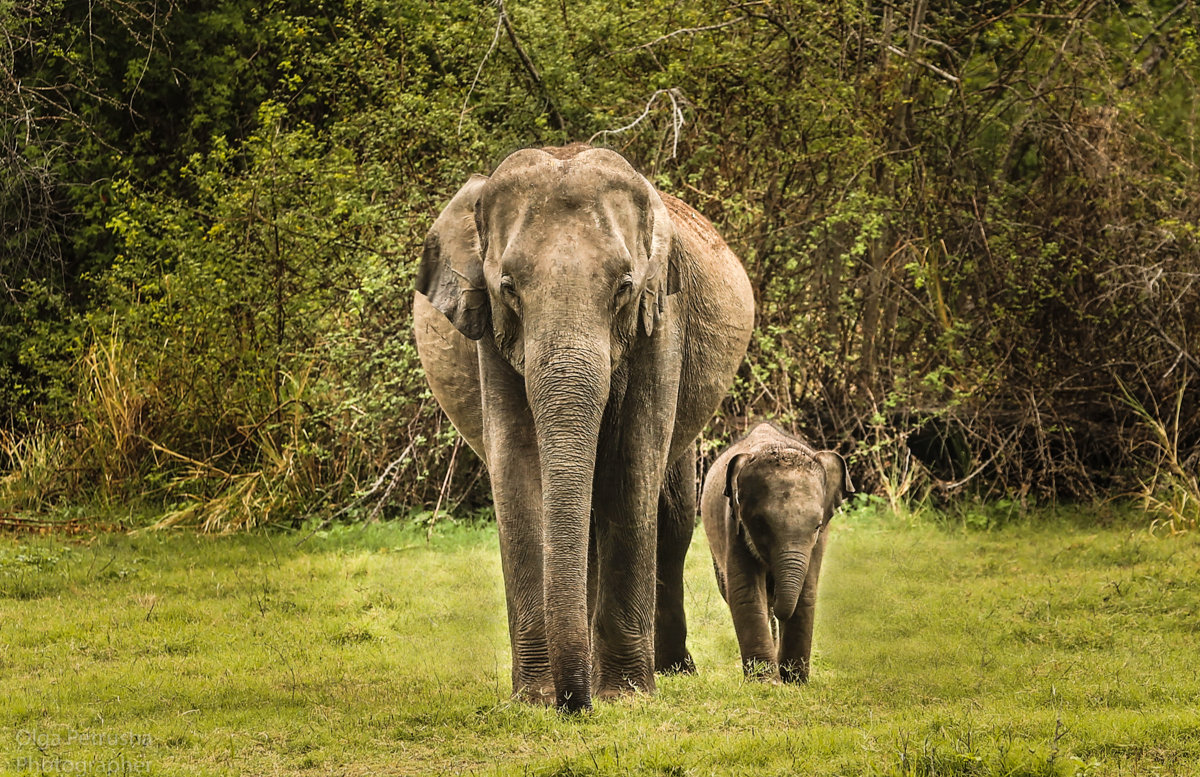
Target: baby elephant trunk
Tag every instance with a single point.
(790, 569)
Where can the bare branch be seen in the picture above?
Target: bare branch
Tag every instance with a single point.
(530, 68)
(937, 71)
(503, 22)
(445, 485)
(394, 469)
(495, 39)
(943, 46)
(1157, 54)
(677, 120)
(687, 31)
(1158, 27)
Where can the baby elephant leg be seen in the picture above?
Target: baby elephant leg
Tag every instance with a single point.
(795, 633)
(746, 587)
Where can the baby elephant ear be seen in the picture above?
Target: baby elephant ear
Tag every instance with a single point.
(838, 484)
(451, 273)
(732, 470)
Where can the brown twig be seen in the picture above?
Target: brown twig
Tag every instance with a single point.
(530, 67)
(393, 469)
(445, 484)
(687, 31)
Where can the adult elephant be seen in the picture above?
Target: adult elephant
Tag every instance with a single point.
(579, 328)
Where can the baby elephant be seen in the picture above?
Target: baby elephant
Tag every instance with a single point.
(766, 503)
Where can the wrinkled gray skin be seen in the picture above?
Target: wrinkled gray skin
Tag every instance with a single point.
(579, 328)
(766, 503)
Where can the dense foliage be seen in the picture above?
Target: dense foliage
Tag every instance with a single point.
(972, 228)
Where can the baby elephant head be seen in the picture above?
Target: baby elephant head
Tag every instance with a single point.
(782, 499)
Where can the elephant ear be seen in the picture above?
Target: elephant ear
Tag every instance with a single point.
(732, 470)
(838, 484)
(451, 272)
(664, 253)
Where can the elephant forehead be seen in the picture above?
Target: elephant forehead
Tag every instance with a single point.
(566, 230)
(578, 246)
(572, 157)
(580, 181)
(781, 505)
(581, 216)
(781, 478)
(784, 453)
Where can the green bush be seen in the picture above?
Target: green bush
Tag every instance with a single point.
(972, 231)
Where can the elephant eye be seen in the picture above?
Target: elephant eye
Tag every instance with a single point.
(508, 290)
(624, 287)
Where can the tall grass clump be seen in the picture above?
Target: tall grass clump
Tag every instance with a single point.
(1170, 489)
(33, 478)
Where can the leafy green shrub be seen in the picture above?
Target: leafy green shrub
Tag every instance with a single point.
(966, 231)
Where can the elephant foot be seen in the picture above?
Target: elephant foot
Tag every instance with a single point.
(792, 673)
(680, 665)
(765, 679)
(621, 672)
(610, 689)
(766, 672)
(616, 693)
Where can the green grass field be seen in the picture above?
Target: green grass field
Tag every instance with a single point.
(1040, 649)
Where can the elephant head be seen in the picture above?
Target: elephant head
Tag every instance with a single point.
(563, 260)
(782, 499)
(550, 239)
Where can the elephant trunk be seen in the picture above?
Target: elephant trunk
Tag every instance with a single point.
(790, 568)
(568, 388)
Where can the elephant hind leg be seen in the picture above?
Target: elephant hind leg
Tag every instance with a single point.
(676, 521)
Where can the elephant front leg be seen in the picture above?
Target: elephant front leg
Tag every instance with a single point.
(513, 466)
(521, 559)
(795, 644)
(630, 472)
(623, 622)
(795, 637)
(746, 590)
(676, 521)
